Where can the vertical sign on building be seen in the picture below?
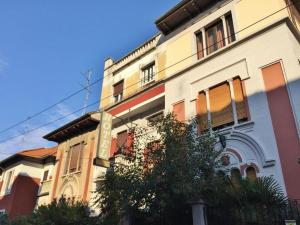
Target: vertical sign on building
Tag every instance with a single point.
(104, 140)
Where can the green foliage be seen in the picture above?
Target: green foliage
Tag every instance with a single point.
(61, 212)
(157, 182)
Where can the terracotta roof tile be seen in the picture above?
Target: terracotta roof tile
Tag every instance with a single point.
(39, 152)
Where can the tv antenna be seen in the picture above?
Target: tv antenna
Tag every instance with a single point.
(87, 87)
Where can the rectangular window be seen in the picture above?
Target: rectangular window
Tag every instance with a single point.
(200, 49)
(45, 176)
(73, 162)
(215, 37)
(179, 111)
(9, 181)
(148, 74)
(230, 28)
(220, 106)
(122, 140)
(118, 91)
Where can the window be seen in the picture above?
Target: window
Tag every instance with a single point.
(73, 162)
(45, 176)
(230, 28)
(8, 181)
(200, 50)
(251, 173)
(236, 177)
(148, 74)
(215, 37)
(155, 118)
(121, 140)
(118, 91)
(221, 107)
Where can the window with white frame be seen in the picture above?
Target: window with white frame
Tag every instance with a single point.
(148, 73)
(118, 91)
(215, 36)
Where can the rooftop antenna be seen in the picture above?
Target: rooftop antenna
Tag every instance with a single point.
(87, 87)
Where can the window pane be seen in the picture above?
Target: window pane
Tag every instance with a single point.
(200, 52)
(215, 37)
(118, 88)
(122, 139)
(45, 176)
(74, 157)
(230, 29)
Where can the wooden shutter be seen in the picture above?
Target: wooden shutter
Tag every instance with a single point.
(201, 109)
(122, 139)
(199, 40)
(220, 105)
(179, 111)
(239, 99)
(75, 154)
(113, 147)
(129, 143)
(118, 88)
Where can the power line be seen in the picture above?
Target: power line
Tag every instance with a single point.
(139, 81)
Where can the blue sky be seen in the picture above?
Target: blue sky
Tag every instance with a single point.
(46, 45)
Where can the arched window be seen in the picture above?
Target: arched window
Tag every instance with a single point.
(251, 173)
(236, 177)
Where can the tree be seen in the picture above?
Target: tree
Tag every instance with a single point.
(162, 174)
(61, 212)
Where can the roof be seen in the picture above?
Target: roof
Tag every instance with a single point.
(85, 123)
(181, 13)
(38, 155)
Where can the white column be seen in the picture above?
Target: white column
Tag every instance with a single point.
(225, 30)
(235, 117)
(204, 42)
(208, 108)
(198, 213)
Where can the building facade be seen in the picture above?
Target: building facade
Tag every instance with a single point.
(235, 63)
(21, 177)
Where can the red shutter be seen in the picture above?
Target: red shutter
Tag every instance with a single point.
(113, 147)
(122, 139)
(179, 111)
(130, 138)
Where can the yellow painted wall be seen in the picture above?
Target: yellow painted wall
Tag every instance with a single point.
(161, 65)
(176, 51)
(132, 84)
(250, 11)
(106, 96)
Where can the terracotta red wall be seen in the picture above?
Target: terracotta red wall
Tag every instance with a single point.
(23, 196)
(284, 126)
